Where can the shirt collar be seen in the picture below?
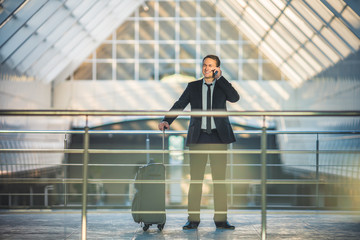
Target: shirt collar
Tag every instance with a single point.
(213, 83)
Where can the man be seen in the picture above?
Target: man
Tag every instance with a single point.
(207, 133)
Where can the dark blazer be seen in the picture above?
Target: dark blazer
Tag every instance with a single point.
(223, 91)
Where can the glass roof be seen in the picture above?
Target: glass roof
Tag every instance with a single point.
(48, 40)
(301, 37)
(156, 42)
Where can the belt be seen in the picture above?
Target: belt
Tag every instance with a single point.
(212, 131)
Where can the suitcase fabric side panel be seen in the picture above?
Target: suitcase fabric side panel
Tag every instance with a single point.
(150, 196)
(136, 203)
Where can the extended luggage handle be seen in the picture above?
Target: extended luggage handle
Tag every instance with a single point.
(163, 146)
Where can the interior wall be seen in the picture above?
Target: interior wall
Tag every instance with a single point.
(159, 96)
(23, 95)
(337, 88)
(325, 94)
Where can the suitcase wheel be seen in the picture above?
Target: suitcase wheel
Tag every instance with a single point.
(161, 226)
(146, 227)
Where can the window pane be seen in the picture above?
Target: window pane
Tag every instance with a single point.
(228, 31)
(103, 71)
(300, 23)
(250, 52)
(104, 51)
(207, 49)
(348, 36)
(250, 71)
(352, 19)
(125, 71)
(259, 8)
(256, 23)
(167, 9)
(146, 30)
(147, 10)
(306, 13)
(229, 51)
(166, 69)
(187, 30)
(187, 51)
(208, 30)
(177, 20)
(146, 51)
(84, 72)
(146, 71)
(166, 30)
(124, 51)
(287, 37)
(319, 42)
(322, 10)
(207, 9)
(336, 42)
(166, 51)
(230, 70)
(270, 72)
(291, 27)
(309, 58)
(126, 31)
(187, 9)
(321, 58)
(188, 69)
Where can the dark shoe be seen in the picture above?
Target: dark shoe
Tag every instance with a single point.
(191, 225)
(224, 225)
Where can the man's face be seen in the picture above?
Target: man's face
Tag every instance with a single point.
(208, 66)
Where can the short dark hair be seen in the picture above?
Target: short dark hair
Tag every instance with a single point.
(214, 57)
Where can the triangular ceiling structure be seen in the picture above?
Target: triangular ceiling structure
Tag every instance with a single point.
(48, 39)
(302, 38)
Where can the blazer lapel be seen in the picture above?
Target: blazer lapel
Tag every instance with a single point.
(198, 97)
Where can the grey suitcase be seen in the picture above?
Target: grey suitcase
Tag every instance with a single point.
(150, 197)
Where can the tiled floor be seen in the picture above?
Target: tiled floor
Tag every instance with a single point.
(118, 225)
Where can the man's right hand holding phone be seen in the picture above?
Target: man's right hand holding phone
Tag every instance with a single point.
(217, 73)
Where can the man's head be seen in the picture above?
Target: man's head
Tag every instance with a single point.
(211, 65)
(214, 57)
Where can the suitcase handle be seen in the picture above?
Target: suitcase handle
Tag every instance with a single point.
(163, 146)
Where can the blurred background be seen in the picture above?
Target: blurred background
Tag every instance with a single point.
(280, 55)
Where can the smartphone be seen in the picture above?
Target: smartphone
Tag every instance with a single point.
(215, 73)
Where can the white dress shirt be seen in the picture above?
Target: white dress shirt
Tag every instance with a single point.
(204, 104)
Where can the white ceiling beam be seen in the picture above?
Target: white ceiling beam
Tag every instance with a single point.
(99, 29)
(27, 29)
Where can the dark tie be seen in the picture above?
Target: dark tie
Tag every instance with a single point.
(208, 107)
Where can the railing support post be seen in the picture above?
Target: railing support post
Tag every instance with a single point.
(263, 180)
(317, 171)
(147, 148)
(65, 171)
(85, 181)
(231, 174)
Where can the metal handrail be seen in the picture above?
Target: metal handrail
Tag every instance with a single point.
(119, 151)
(157, 132)
(263, 151)
(168, 181)
(15, 112)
